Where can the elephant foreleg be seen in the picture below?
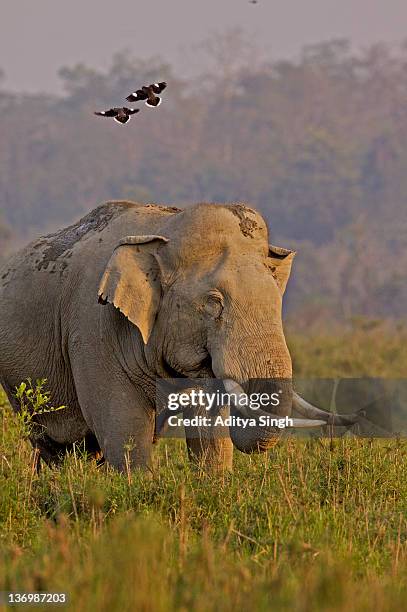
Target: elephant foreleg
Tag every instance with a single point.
(121, 417)
(129, 440)
(209, 447)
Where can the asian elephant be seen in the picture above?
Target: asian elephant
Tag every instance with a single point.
(132, 293)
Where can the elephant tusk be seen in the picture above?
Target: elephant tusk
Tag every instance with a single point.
(312, 412)
(233, 388)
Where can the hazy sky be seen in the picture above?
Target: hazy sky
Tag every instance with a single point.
(39, 36)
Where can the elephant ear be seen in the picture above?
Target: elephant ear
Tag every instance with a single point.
(280, 262)
(131, 281)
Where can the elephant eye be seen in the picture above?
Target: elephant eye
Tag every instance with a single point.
(214, 304)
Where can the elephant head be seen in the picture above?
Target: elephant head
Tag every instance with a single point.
(206, 296)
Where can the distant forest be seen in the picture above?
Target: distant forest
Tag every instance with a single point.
(318, 145)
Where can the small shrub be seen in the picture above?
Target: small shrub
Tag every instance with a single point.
(34, 401)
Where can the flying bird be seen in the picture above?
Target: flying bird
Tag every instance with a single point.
(148, 93)
(121, 115)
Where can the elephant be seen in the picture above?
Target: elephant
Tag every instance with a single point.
(132, 293)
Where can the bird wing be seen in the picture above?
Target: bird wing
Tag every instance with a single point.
(139, 94)
(131, 111)
(109, 113)
(158, 87)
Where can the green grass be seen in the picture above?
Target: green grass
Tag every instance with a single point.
(306, 526)
(367, 348)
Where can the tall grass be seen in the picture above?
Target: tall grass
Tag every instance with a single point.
(307, 526)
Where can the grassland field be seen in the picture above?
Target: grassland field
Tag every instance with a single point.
(307, 526)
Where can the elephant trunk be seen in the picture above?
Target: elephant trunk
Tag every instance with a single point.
(254, 431)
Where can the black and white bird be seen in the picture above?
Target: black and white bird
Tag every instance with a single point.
(148, 93)
(121, 115)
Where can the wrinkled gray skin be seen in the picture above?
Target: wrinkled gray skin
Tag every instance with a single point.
(194, 293)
